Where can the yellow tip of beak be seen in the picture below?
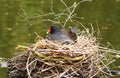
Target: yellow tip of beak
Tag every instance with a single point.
(47, 32)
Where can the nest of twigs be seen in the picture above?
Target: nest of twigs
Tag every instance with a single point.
(48, 59)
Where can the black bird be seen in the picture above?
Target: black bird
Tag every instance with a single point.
(57, 34)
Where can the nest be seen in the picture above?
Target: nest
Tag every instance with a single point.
(48, 59)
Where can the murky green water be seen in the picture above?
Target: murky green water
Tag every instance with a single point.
(20, 19)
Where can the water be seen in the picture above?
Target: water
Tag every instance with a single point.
(20, 19)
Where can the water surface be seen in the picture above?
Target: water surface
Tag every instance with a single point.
(20, 19)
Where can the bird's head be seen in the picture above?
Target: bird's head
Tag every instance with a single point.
(53, 29)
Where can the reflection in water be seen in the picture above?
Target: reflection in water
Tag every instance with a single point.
(3, 63)
(19, 20)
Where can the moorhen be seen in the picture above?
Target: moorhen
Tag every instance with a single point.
(57, 34)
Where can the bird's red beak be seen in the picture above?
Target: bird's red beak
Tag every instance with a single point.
(48, 31)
